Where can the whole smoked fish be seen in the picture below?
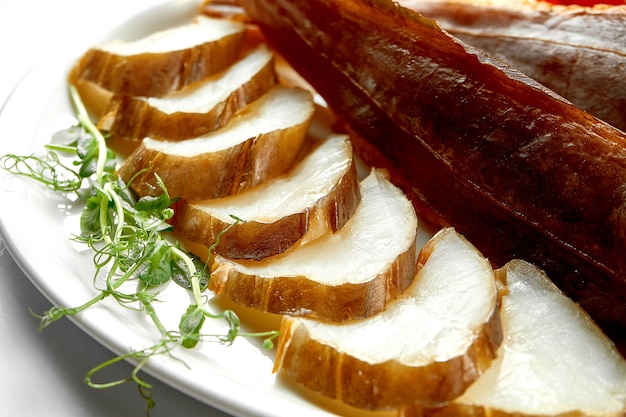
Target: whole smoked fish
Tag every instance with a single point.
(521, 172)
(578, 52)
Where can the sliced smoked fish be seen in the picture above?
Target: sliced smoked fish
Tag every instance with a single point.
(521, 172)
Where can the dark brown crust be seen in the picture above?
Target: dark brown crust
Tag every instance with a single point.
(299, 296)
(388, 385)
(216, 174)
(255, 240)
(581, 53)
(132, 118)
(517, 170)
(157, 74)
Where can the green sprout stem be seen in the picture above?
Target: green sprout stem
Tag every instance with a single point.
(83, 118)
(117, 201)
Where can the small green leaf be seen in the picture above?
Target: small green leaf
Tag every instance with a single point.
(86, 146)
(87, 149)
(69, 136)
(157, 268)
(148, 221)
(153, 203)
(180, 273)
(268, 343)
(89, 217)
(190, 325)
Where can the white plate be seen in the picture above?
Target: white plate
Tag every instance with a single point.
(37, 225)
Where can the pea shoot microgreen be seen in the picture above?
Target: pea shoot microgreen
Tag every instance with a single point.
(127, 238)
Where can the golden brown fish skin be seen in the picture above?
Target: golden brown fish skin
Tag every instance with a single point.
(519, 171)
(133, 118)
(156, 74)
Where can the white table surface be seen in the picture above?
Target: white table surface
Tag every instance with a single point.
(41, 373)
